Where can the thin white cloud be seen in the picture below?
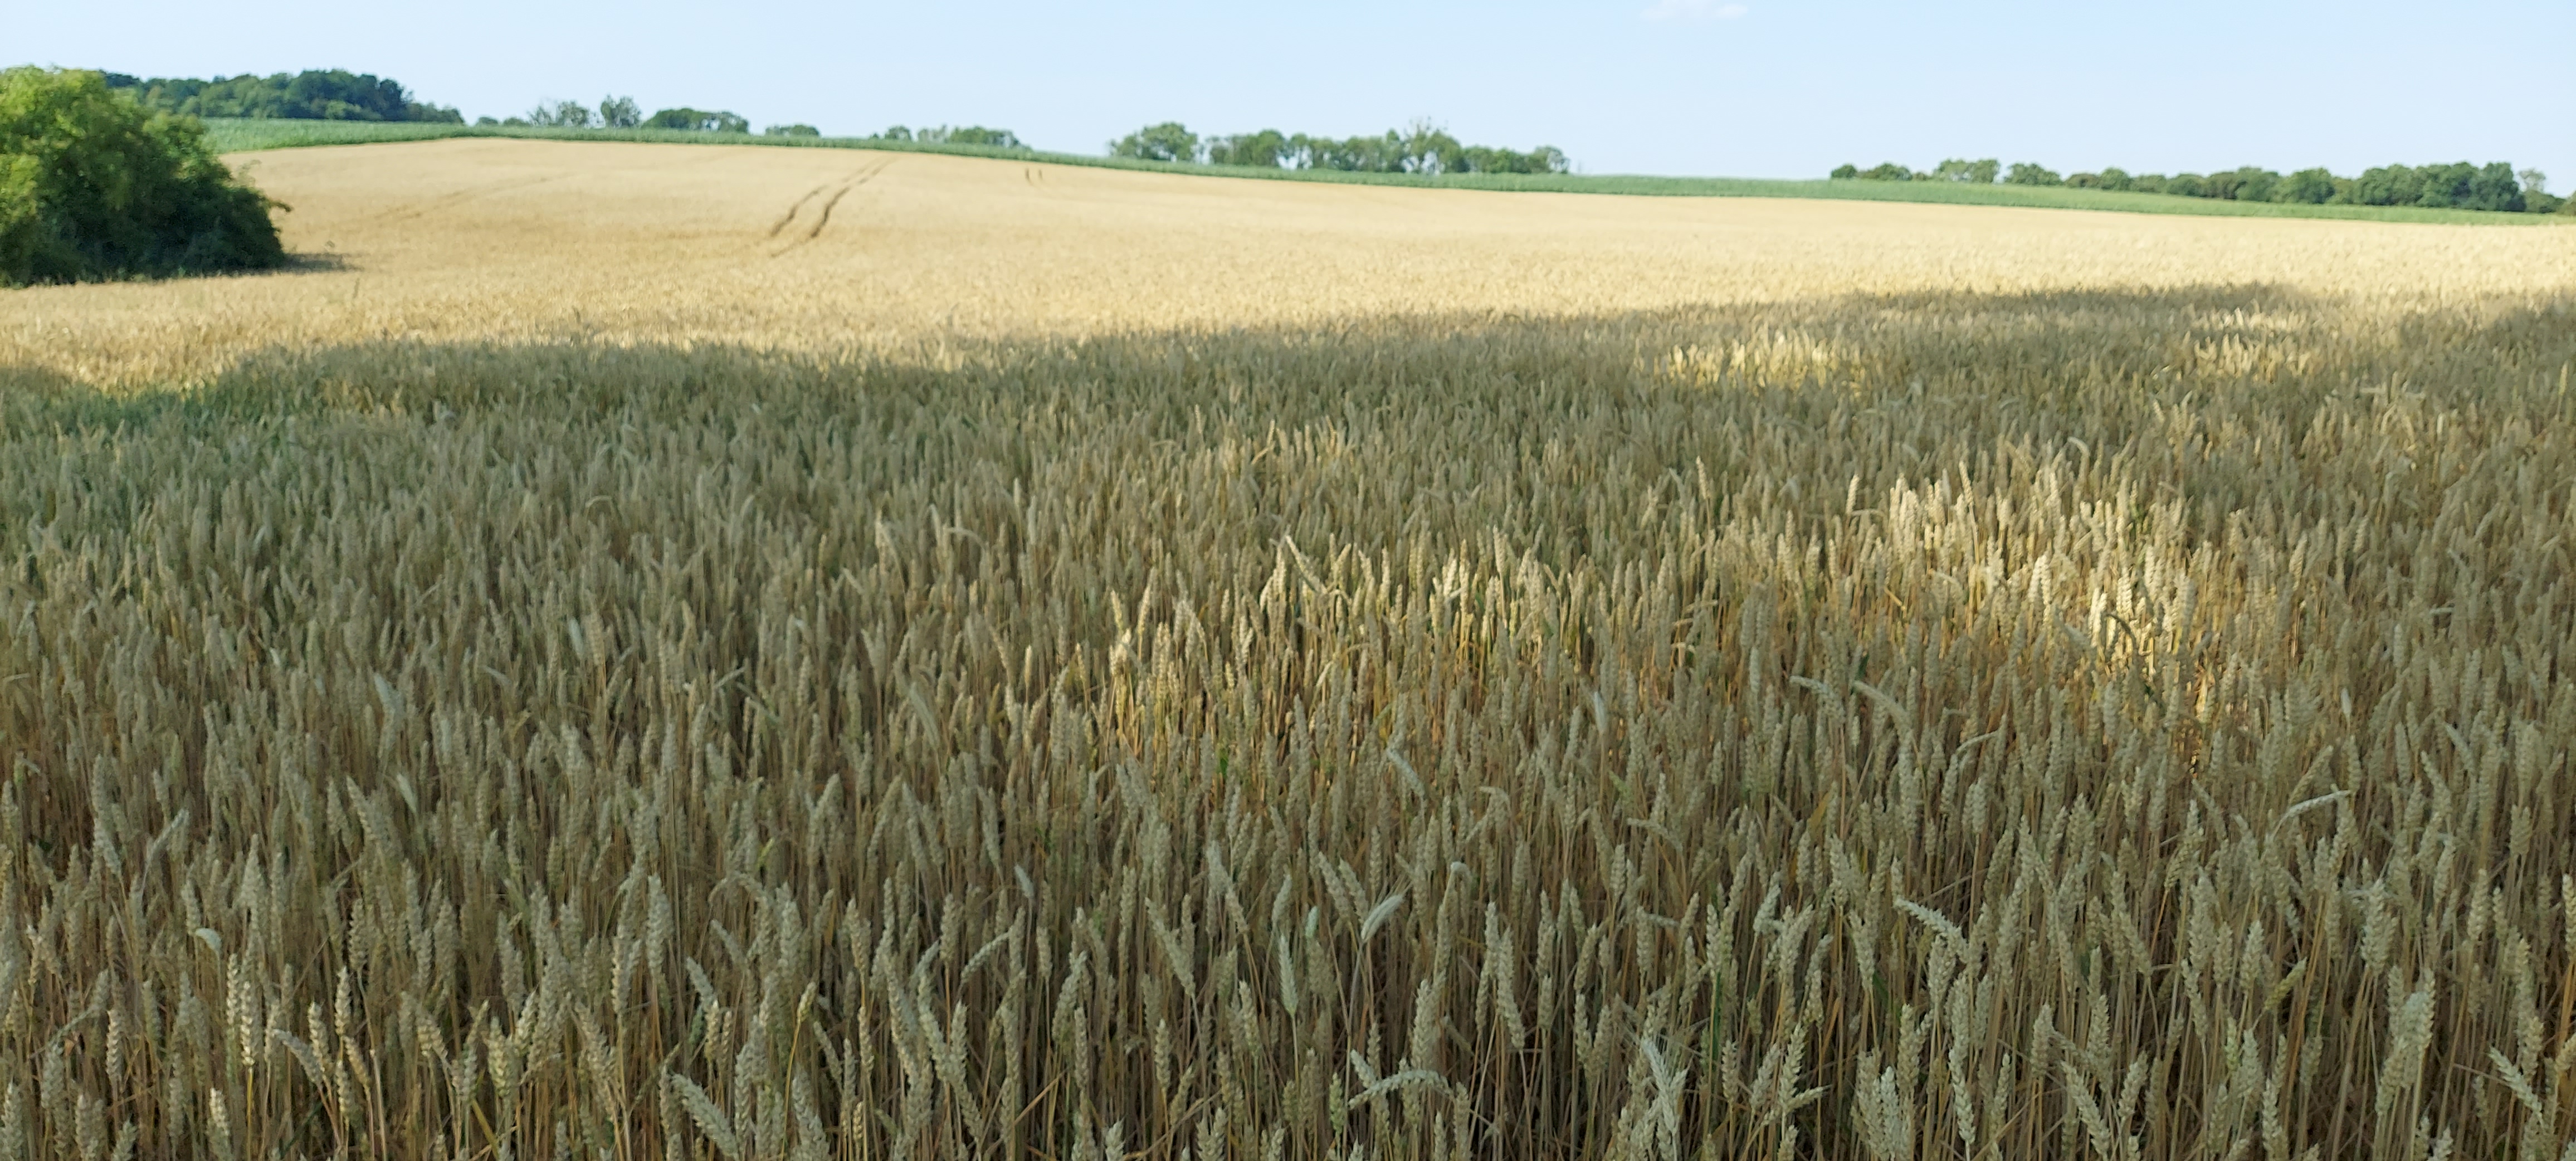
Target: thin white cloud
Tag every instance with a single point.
(1673, 10)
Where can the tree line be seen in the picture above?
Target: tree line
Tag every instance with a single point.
(313, 95)
(2459, 185)
(340, 95)
(1421, 147)
(616, 112)
(952, 135)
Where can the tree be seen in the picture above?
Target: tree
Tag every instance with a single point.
(2458, 185)
(2031, 173)
(2536, 197)
(1266, 149)
(2494, 187)
(620, 113)
(1544, 159)
(2313, 187)
(1845, 172)
(1422, 147)
(560, 115)
(791, 131)
(691, 120)
(2111, 178)
(969, 135)
(2255, 183)
(314, 94)
(1887, 171)
(1549, 159)
(1984, 170)
(1169, 141)
(1381, 154)
(2388, 185)
(1429, 149)
(93, 185)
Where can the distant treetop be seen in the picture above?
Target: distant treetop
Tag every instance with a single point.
(2459, 185)
(623, 113)
(698, 120)
(1422, 147)
(953, 135)
(311, 95)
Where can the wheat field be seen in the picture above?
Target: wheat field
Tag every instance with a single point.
(643, 651)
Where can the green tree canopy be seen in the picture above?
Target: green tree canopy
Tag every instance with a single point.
(1422, 147)
(698, 121)
(1266, 149)
(2313, 187)
(1976, 172)
(2495, 186)
(94, 185)
(560, 115)
(1169, 141)
(620, 113)
(314, 94)
(968, 135)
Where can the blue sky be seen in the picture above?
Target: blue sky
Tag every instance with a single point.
(1750, 88)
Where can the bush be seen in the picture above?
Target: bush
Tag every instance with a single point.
(92, 185)
(791, 131)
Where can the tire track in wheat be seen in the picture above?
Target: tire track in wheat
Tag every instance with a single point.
(792, 211)
(445, 200)
(823, 218)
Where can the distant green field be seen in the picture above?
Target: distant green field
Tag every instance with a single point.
(239, 135)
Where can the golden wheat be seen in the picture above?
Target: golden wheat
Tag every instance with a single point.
(1095, 665)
